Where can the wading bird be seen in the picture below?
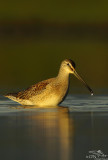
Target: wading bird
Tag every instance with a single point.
(50, 92)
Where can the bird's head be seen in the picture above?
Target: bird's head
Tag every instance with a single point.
(68, 66)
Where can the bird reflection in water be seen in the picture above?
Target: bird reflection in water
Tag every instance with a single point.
(51, 131)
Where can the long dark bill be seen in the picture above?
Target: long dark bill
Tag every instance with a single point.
(76, 74)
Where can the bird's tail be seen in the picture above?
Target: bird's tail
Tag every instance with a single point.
(12, 96)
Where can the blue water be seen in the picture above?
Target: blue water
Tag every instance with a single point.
(67, 132)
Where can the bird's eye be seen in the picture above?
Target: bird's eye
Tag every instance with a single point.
(68, 64)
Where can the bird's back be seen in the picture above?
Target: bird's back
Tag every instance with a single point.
(30, 92)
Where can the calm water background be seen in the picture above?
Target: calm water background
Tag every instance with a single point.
(36, 37)
(67, 132)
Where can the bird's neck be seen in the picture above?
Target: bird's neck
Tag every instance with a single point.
(63, 76)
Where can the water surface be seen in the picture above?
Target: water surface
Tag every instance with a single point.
(67, 132)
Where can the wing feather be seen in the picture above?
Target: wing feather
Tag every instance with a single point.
(32, 91)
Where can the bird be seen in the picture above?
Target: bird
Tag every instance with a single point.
(50, 92)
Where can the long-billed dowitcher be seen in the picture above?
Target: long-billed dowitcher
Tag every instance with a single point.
(51, 91)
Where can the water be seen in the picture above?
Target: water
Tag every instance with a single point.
(67, 132)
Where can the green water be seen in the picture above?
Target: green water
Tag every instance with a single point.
(59, 11)
(26, 62)
(35, 36)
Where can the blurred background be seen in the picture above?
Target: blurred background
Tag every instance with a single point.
(35, 36)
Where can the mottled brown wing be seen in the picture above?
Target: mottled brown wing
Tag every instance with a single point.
(34, 90)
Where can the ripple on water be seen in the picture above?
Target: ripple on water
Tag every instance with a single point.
(87, 103)
(76, 103)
